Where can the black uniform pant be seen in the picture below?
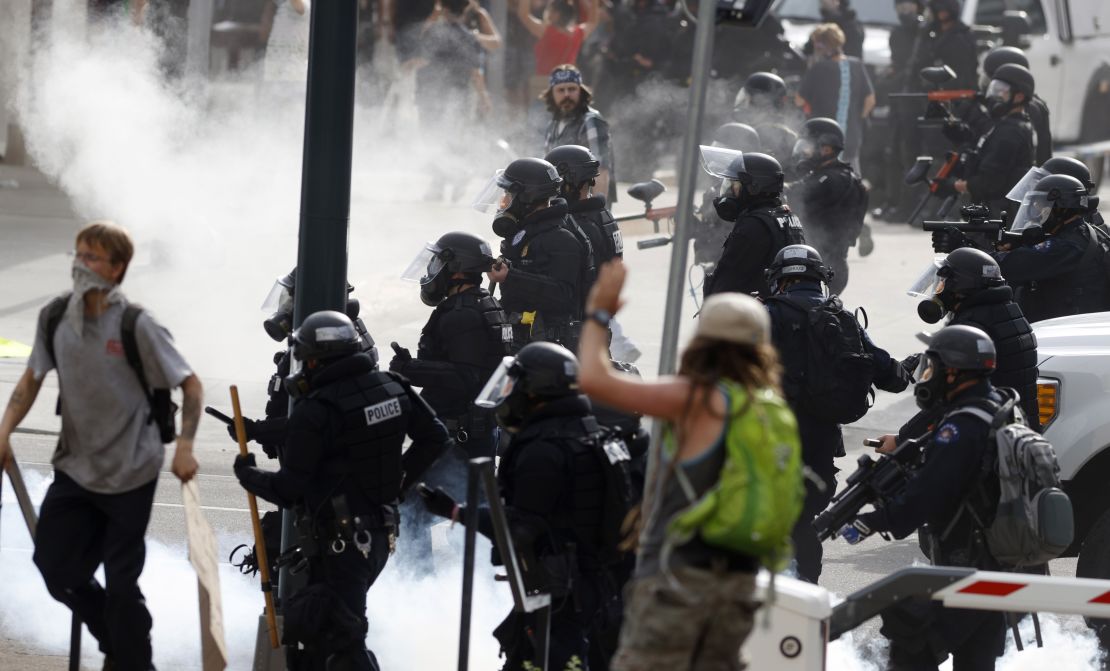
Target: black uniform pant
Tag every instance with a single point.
(337, 611)
(807, 549)
(922, 634)
(78, 530)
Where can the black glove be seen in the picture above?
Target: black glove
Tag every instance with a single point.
(401, 358)
(248, 429)
(957, 132)
(910, 364)
(949, 240)
(243, 464)
(437, 501)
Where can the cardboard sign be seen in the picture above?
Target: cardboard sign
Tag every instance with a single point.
(202, 555)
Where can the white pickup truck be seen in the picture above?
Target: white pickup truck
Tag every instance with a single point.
(1067, 43)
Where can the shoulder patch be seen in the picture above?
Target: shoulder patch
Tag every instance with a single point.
(1043, 246)
(947, 433)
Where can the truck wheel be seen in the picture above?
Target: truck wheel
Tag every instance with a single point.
(1094, 562)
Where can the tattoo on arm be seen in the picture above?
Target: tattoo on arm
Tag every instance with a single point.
(193, 396)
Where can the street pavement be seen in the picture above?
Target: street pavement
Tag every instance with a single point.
(212, 308)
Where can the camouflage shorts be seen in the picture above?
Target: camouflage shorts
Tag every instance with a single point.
(696, 620)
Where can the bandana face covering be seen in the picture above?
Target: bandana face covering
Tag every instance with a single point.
(84, 281)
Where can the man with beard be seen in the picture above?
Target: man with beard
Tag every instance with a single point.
(573, 121)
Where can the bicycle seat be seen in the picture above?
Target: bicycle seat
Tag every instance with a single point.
(646, 191)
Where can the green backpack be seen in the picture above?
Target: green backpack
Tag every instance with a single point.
(758, 497)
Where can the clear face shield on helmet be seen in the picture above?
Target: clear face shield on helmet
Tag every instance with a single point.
(805, 149)
(929, 283)
(425, 266)
(1026, 184)
(499, 385)
(280, 298)
(494, 196)
(998, 90)
(1035, 210)
(721, 162)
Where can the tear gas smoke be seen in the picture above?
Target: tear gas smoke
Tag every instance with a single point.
(207, 178)
(402, 610)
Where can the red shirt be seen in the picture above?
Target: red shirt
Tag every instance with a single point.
(556, 47)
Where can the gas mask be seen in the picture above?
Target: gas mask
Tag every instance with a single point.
(932, 382)
(805, 155)
(728, 204)
(279, 303)
(512, 412)
(298, 382)
(999, 99)
(509, 403)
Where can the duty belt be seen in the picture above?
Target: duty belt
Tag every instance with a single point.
(333, 536)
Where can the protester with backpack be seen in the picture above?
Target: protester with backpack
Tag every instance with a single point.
(727, 490)
(115, 365)
(955, 495)
(566, 493)
(829, 367)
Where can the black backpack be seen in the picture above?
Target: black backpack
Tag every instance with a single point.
(831, 378)
(620, 495)
(162, 406)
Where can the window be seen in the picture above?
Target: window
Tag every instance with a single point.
(989, 13)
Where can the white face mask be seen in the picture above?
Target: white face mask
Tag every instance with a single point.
(84, 281)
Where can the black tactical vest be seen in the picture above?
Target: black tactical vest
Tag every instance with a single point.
(576, 518)
(994, 311)
(498, 332)
(1079, 291)
(598, 223)
(372, 412)
(782, 225)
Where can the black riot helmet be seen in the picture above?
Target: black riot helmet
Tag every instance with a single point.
(576, 165)
(761, 90)
(1066, 165)
(965, 349)
(437, 264)
(1018, 77)
(540, 372)
(326, 335)
(797, 262)
(1054, 200)
(738, 136)
(999, 56)
(963, 272)
(746, 179)
(530, 180)
(824, 131)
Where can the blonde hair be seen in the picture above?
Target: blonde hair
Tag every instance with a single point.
(829, 35)
(112, 238)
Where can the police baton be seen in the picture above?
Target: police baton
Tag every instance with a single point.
(259, 539)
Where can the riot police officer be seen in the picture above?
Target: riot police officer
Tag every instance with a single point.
(1059, 269)
(829, 197)
(1005, 152)
(796, 277)
(549, 480)
(540, 270)
(969, 288)
(579, 168)
(463, 341)
(751, 196)
(953, 376)
(949, 41)
(977, 121)
(710, 231)
(762, 103)
(342, 472)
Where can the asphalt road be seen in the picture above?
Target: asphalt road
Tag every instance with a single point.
(212, 309)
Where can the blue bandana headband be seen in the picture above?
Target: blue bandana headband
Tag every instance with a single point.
(565, 77)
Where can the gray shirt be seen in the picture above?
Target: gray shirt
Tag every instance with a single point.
(108, 446)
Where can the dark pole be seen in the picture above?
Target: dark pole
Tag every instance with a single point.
(325, 179)
(473, 472)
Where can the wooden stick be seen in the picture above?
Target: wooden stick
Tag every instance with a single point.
(259, 539)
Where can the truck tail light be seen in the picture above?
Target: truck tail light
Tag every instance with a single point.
(1048, 400)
